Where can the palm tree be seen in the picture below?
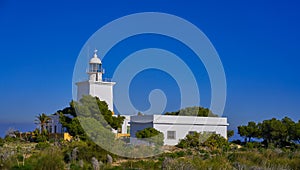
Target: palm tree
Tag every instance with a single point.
(42, 120)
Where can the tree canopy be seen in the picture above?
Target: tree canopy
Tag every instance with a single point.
(249, 131)
(42, 120)
(152, 135)
(273, 131)
(193, 111)
(203, 139)
(88, 107)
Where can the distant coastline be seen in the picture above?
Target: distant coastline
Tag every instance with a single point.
(21, 126)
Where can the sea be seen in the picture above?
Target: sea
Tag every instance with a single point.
(22, 127)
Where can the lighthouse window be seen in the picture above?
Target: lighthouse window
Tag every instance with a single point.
(93, 68)
(99, 68)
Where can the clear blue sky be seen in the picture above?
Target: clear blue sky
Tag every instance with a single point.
(257, 41)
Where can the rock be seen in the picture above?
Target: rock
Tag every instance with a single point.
(74, 154)
(109, 159)
(81, 163)
(95, 163)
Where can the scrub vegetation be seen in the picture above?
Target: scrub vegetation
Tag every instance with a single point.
(270, 144)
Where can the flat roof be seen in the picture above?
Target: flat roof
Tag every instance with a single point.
(187, 120)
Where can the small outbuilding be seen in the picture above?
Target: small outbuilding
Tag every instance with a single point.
(175, 128)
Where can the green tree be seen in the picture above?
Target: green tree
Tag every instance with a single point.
(291, 129)
(193, 111)
(88, 107)
(42, 120)
(250, 131)
(273, 131)
(296, 136)
(69, 120)
(152, 135)
(230, 133)
(1, 142)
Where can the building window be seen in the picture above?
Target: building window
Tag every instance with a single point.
(192, 132)
(55, 129)
(171, 135)
(210, 132)
(50, 129)
(128, 129)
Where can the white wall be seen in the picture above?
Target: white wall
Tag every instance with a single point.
(103, 90)
(183, 130)
(182, 125)
(83, 88)
(125, 124)
(54, 122)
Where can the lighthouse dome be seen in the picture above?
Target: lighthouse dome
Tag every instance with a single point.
(95, 59)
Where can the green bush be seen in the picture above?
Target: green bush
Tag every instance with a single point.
(25, 167)
(152, 135)
(1, 142)
(49, 159)
(190, 141)
(85, 151)
(42, 145)
(197, 140)
(11, 139)
(142, 164)
(177, 154)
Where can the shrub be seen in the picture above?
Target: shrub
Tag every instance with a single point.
(85, 151)
(216, 141)
(212, 141)
(41, 138)
(50, 159)
(190, 141)
(152, 135)
(42, 145)
(25, 167)
(1, 142)
(141, 164)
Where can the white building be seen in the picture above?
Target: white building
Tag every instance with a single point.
(95, 85)
(54, 125)
(175, 128)
(126, 125)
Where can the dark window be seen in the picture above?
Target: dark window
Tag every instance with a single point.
(128, 129)
(192, 132)
(210, 132)
(171, 134)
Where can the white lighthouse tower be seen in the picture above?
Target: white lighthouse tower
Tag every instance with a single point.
(96, 86)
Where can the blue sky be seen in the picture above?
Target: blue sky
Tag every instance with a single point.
(257, 41)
